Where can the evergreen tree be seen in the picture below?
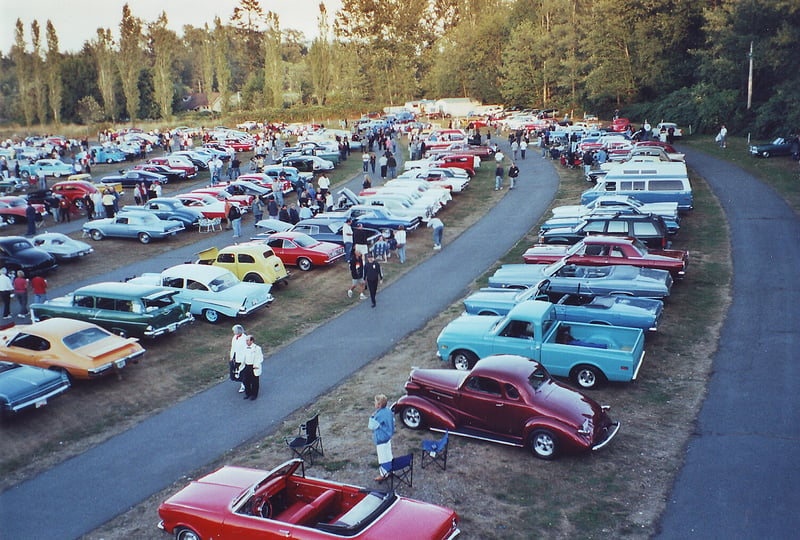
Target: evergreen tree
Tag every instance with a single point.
(162, 43)
(221, 66)
(273, 68)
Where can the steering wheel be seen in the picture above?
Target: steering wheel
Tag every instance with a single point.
(262, 507)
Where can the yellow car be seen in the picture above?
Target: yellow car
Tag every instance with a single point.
(80, 349)
(254, 262)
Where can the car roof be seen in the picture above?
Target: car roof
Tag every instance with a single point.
(56, 326)
(203, 272)
(115, 289)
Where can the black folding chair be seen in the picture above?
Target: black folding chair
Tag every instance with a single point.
(308, 440)
(402, 471)
(436, 451)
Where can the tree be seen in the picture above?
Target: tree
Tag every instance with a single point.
(248, 20)
(162, 43)
(221, 66)
(89, 110)
(273, 69)
(319, 58)
(54, 82)
(22, 64)
(103, 49)
(37, 68)
(129, 60)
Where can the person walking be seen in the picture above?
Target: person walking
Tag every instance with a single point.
(382, 425)
(513, 173)
(498, 178)
(722, 137)
(39, 286)
(236, 355)
(356, 275)
(523, 147)
(347, 238)
(400, 238)
(21, 292)
(373, 274)
(30, 219)
(251, 370)
(391, 165)
(438, 228)
(6, 288)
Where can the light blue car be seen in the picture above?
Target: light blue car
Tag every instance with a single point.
(50, 167)
(134, 224)
(103, 154)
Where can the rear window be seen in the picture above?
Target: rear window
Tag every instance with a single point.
(644, 228)
(84, 337)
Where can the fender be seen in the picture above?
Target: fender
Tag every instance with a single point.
(568, 436)
(434, 416)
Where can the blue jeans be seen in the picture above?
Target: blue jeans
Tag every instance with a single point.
(237, 226)
(401, 252)
(437, 236)
(498, 182)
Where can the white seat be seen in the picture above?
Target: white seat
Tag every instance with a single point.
(209, 224)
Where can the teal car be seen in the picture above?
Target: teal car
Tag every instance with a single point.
(126, 309)
(102, 154)
(50, 167)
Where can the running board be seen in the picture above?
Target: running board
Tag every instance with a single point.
(508, 441)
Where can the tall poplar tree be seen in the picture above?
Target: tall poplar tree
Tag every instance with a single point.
(22, 64)
(162, 43)
(55, 85)
(37, 69)
(129, 60)
(320, 58)
(273, 68)
(221, 65)
(103, 49)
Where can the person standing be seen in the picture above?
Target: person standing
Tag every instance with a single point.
(39, 286)
(400, 238)
(258, 209)
(513, 172)
(21, 292)
(391, 165)
(356, 275)
(514, 149)
(372, 160)
(361, 239)
(722, 137)
(523, 147)
(498, 178)
(64, 209)
(382, 425)
(108, 203)
(234, 168)
(365, 161)
(324, 183)
(30, 219)
(251, 370)
(383, 163)
(6, 288)
(235, 219)
(347, 238)
(373, 274)
(438, 229)
(236, 356)
(272, 208)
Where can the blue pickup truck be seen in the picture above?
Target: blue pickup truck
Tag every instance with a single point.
(589, 354)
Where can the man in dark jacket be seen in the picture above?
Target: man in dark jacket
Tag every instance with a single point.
(372, 275)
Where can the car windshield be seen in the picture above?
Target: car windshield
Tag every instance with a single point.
(224, 281)
(19, 245)
(303, 240)
(84, 337)
(158, 302)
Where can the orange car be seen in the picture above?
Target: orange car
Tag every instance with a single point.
(82, 350)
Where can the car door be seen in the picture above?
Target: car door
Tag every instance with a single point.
(29, 349)
(514, 337)
(479, 398)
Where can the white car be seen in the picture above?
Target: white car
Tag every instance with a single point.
(423, 188)
(676, 131)
(452, 179)
(400, 205)
(61, 246)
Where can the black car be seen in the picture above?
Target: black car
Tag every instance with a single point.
(326, 230)
(131, 178)
(303, 164)
(779, 147)
(170, 208)
(649, 228)
(172, 175)
(18, 253)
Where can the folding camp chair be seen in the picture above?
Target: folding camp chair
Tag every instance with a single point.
(402, 470)
(308, 440)
(436, 451)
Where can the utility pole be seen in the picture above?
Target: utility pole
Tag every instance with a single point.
(750, 79)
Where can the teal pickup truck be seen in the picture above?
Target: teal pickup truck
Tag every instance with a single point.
(589, 354)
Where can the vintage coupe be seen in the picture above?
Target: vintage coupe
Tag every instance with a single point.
(13, 209)
(782, 146)
(243, 503)
(132, 224)
(373, 217)
(61, 246)
(80, 349)
(134, 177)
(23, 386)
(173, 175)
(169, 208)
(586, 280)
(123, 308)
(18, 253)
(254, 262)
(507, 399)
(211, 291)
(326, 230)
(206, 204)
(611, 250)
(303, 251)
(50, 167)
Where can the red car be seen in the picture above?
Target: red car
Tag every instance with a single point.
(175, 163)
(460, 161)
(13, 208)
(507, 399)
(620, 124)
(611, 250)
(219, 192)
(239, 145)
(245, 504)
(303, 251)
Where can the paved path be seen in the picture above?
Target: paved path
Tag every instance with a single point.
(741, 475)
(84, 492)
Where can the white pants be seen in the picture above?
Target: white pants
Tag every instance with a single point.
(384, 457)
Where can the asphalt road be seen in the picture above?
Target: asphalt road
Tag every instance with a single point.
(741, 475)
(84, 492)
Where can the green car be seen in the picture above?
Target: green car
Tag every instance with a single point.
(126, 309)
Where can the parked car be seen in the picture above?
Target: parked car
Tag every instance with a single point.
(134, 177)
(219, 192)
(649, 228)
(50, 167)
(242, 503)
(18, 253)
(81, 350)
(611, 250)
(75, 191)
(254, 262)
(175, 162)
(61, 246)
(308, 164)
(586, 280)
(667, 126)
(782, 146)
(22, 387)
(122, 308)
(107, 154)
(210, 291)
(132, 224)
(13, 209)
(168, 208)
(447, 178)
(326, 230)
(173, 175)
(510, 400)
(373, 217)
(668, 210)
(269, 226)
(299, 249)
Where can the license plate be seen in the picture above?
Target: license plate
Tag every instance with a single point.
(120, 363)
(41, 403)
(172, 327)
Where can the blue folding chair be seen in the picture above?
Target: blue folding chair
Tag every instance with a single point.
(402, 470)
(436, 451)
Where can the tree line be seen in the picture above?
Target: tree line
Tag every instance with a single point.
(685, 61)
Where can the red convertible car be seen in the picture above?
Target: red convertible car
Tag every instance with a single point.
(243, 504)
(611, 250)
(509, 400)
(303, 251)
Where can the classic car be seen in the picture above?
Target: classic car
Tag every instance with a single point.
(399, 204)
(443, 138)
(134, 177)
(132, 224)
(73, 190)
(243, 503)
(239, 145)
(105, 154)
(50, 167)
(650, 229)
(420, 189)
(510, 400)
(13, 209)
(643, 313)
(122, 308)
(294, 177)
(303, 251)
(61, 246)
(326, 230)
(253, 262)
(782, 146)
(620, 124)
(448, 178)
(23, 386)
(175, 162)
(269, 226)
(309, 164)
(198, 158)
(373, 217)
(672, 223)
(466, 162)
(220, 192)
(241, 188)
(464, 148)
(80, 349)
(210, 291)
(173, 175)
(314, 148)
(668, 210)
(611, 250)
(208, 205)
(585, 280)
(666, 126)
(168, 208)
(18, 253)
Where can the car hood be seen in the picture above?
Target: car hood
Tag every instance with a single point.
(216, 491)
(22, 380)
(468, 325)
(488, 297)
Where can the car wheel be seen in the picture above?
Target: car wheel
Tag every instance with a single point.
(253, 278)
(96, 234)
(57, 174)
(144, 238)
(463, 360)
(25, 175)
(489, 313)
(186, 534)
(411, 417)
(62, 370)
(587, 377)
(765, 153)
(211, 315)
(544, 444)
(304, 264)
(109, 160)
(79, 204)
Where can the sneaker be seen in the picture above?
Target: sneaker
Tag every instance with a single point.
(437, 247)
(21, 316)
(362, 296)
(7, 317)
(349, 293)
(241, 388)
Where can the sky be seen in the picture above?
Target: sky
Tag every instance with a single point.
(77, 21)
